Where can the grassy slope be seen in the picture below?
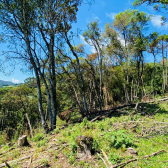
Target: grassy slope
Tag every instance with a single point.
(59, 148)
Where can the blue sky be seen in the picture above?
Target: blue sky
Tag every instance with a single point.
(104, 11)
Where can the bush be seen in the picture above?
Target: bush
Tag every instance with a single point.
(119, 139)
(41, 143)
(114, 158)
(38, 137)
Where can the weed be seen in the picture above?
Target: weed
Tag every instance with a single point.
(115, 158)
(38, 137)
(41, 143)
(84, 122)
(71, 159)
(45, 162)
(82, 163)
(101, 127)
(5, 147)
(96, 146)
(119, 139)
(69, 133)
(16, 136)
(56, 155)
(56, 131)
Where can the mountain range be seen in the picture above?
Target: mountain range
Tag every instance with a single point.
(6, 83)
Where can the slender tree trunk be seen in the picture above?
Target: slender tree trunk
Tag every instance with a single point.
(132, 90)
(45, 125)
(79, 73)
(154, 76)
(40, 102)
(166, 68)
(95, 85)
(163, 69)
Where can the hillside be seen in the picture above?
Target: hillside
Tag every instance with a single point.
(6, 83)
(144, 131)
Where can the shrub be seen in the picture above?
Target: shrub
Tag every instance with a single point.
(114, 158)
(41, 143)
(119, 139)
(38, 137)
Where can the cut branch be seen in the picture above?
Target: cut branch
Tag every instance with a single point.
(133, 160)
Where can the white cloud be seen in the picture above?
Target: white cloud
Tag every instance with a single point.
(15, 80)
(156, 21)
(93, 18)
(91, 48)
(111, 15)
(121, 39)
(82, 39)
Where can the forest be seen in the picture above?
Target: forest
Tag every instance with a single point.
(107, 108)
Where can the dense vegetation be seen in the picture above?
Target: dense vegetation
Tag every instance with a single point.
(83, 85)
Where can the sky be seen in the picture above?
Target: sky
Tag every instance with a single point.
(102, 10)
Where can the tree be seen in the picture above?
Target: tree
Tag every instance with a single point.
(153, 38)
(159, 5)
(29, 22)
(131, 25)
(93, 37)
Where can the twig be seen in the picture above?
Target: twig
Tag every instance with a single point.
(7, 151)
(29, 125)
(163, 99)
(156, 111)
(136, 106)
(30, 161)
(104, 154)
(132, 160)
(103, 160)
(26, 157)
(141, 122)
(7, 164)
(96, 118)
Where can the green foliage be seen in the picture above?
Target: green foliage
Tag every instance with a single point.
(38, 137)
(115, 158)
(45, 162)
(74, 146)
(42, 143)
(82, 163)
(96, 145)
(101, 127)
(119, 139)
(71, 159)
(84, 122)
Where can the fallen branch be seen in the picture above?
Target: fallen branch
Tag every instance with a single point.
(7, 164)
(96, 118)
(133, 160)
(7, 151)
(30, 161)
(163, 99)
(136, 106)
(114, 109)
(134, 122)
(104, 154)
(103, 160)
(155, 111)
(10, 162)
(141, 122)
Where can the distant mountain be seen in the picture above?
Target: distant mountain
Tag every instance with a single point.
(6, 83)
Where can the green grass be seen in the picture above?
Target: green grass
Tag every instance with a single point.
(115, 140)
(113, 137)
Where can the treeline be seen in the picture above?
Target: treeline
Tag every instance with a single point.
(17, 101)
(41, 38)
